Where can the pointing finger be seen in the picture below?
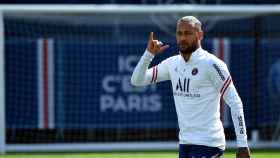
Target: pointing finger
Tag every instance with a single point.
(151, 38)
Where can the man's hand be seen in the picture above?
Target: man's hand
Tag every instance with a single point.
(155, 46)
(243, 152)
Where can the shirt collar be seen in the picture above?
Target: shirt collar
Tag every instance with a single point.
(194, 56)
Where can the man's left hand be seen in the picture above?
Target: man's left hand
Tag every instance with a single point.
(243, 152)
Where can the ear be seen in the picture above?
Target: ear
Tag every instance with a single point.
(200, 35)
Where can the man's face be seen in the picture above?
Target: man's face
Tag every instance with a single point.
(188, 37)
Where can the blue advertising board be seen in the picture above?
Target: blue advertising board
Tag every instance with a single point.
(92, 87)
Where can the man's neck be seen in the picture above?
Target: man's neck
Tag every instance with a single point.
(186, 56)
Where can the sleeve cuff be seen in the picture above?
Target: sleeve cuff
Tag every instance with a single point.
(148, 54)
(242, 143)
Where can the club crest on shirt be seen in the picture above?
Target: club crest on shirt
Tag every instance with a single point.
(194, 71)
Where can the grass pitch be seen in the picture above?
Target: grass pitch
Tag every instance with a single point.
(156, 154)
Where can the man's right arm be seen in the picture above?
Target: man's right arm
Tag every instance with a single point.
(142, 75)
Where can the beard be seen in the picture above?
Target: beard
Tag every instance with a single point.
(184, 49)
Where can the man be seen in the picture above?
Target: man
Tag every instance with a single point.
(199, 80)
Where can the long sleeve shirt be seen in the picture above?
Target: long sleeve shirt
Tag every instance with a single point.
(198, 86)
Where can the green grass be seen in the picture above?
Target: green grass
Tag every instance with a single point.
(229, 154)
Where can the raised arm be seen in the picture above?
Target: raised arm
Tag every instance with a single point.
(142, 75)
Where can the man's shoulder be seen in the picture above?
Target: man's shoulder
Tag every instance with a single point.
(211, 59)
(172, 59)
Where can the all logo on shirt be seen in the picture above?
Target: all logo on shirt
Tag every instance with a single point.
(183, 88)
(183, 85)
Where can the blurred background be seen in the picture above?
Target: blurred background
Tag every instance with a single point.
(142, 1)
(67, 74)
